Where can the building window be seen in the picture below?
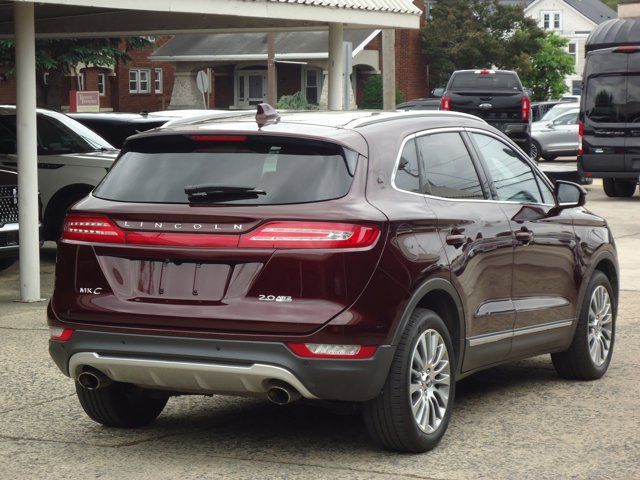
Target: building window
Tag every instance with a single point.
(551, 20)
(102, 84)
(139, 80)
(312, 84)
(80, 79)
(157, 81)
(572, 48)
(45, 78)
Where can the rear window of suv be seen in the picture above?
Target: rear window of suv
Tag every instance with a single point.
(484, 81)
(282, 170)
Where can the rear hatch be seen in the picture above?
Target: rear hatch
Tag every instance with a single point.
(493, 96)
(273, 238)
(610, 111)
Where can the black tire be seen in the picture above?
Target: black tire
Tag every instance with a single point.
(6, 263)
(388, 417)
(576, 362)
(625, 188)
(609, 187)
(120, 405)
(535, 151)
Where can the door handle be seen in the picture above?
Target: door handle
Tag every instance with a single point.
(456, 239)
(524, 237)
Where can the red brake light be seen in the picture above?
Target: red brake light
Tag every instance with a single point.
(181, 239)
(627, 49)
(92, 229)
(218, 138)
(310, 235)
(338, 352)
(445, 103)
(580, 135)
(60, 334)
(526, 108)
(485, 72)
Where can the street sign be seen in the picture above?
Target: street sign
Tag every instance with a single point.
(202, 81)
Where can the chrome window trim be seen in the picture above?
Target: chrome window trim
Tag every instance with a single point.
(495, 337)
(423, 133)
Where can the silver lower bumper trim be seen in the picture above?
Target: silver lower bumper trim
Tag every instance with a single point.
(184, 376)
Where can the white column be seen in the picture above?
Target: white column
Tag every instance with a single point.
(336, 66)
(27, 151)
(389, 69)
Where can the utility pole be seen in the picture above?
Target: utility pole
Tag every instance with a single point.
(272, 91)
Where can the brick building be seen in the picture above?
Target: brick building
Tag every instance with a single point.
(163, 75)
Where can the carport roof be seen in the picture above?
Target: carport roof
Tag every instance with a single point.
(94, 18)
(230, 46)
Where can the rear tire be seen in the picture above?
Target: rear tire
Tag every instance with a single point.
(393, 418)
(609, 187)
(120, 405)
(625, 188)
(584, 360)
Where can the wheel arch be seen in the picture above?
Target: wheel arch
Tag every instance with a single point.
(440, 296)
(57, 201)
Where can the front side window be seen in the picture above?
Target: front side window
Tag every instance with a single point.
(448, 169)
(570, 118)
(408, 174)
(513, 179)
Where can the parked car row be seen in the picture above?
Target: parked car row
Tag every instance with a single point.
(368, 258)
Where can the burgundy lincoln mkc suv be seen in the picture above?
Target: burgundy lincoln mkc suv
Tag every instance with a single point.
(372, 258)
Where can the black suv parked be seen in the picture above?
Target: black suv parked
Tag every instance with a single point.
(496, 96)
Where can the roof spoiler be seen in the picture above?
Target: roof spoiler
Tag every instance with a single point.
(266, 115)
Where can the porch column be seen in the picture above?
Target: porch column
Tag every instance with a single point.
(336, 66)
(388, 69)
(27, 151)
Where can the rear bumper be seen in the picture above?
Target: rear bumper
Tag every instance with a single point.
(195, 365)
(600, 168)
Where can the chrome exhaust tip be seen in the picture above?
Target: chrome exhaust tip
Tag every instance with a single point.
(282, 395)
(93, 380)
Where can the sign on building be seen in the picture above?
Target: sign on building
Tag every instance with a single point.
(84, 101)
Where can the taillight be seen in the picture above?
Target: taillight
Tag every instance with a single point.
(181, 239)
(218, 138)
(580, 135)
(338, 352)
(310, 235)
(485, 72)
(92, 229)
(526, 109)
(60, 334)
(627, 49)
(445, 103)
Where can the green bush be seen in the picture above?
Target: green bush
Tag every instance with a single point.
(297, 101)
(372, 97)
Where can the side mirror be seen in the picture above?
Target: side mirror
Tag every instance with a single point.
(437, 92)
(551, 125)
(569, 194)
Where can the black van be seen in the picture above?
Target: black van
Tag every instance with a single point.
(610, 107)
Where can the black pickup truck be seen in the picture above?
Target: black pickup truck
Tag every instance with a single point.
(497, 96)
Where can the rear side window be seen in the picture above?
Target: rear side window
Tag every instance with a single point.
(284, 170)
(447, 167)
(408, 175)
(479, 81)
(606, 98)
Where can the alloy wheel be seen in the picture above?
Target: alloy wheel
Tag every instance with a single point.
(600, 325)
(429, 381)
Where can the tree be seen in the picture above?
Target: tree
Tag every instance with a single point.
(372, 93)
(549, 66)
(64, 57)
(469, 34)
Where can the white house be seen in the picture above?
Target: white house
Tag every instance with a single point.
(574, 20)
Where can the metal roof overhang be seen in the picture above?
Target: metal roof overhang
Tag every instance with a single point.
(109, 18)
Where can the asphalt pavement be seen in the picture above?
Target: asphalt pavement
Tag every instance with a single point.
(515, 421)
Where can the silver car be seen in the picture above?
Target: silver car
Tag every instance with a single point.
(557, 137)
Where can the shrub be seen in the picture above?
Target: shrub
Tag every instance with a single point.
(372, 98)
(297, 101)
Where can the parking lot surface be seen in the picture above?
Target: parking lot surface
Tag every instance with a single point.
(515, 421)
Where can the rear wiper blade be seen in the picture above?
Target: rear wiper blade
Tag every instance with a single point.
(208, 193)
